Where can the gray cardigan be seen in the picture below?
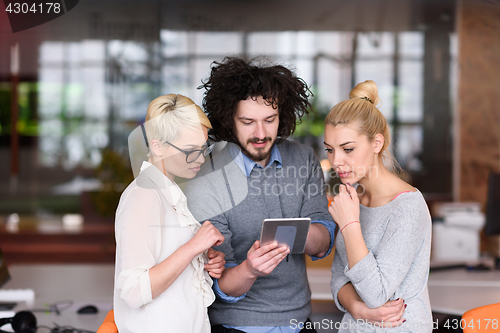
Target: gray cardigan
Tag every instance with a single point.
(295, 190)
(398, 237)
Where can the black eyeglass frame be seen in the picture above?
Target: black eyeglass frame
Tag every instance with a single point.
(205, 151)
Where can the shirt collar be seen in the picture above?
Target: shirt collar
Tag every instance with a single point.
(246, 164)
(170, 189)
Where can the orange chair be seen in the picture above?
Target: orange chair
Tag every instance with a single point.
(108, 325)
(484, 319)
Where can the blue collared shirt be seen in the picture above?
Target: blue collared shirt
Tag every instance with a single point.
(246, 165)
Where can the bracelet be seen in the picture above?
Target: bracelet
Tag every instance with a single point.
(347, 225)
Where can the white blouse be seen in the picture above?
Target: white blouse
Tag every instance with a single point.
(152, 221)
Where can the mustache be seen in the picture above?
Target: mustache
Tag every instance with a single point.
(257, 140)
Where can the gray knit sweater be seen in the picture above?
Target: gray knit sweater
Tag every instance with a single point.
(398, 237)
(295, 190)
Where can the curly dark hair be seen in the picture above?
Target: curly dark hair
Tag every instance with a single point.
(236, 79)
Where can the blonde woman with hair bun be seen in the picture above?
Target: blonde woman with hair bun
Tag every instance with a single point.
(381, 264)
(164, 257)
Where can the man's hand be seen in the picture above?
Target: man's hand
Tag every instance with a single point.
(390, 314)
(216, 263)
(263, 260)
(260, 261)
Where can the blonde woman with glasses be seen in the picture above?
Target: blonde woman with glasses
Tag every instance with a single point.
(164, 260)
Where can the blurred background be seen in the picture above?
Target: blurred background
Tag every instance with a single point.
(85, 80)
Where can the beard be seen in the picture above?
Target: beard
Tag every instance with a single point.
(260, 154)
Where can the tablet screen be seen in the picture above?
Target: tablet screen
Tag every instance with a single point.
(291, 232)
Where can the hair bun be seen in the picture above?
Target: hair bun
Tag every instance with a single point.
(170, 104)
(366, 90)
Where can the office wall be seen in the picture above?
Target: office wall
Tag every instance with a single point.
(478, 27)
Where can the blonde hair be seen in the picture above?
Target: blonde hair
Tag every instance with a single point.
(362, 108)
(168, 114)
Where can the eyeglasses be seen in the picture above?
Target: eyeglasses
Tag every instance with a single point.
(192, 155)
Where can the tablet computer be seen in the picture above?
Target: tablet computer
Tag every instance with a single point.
(286, 231)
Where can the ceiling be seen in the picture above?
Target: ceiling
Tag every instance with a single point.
(142, 20)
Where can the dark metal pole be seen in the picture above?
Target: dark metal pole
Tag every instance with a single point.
(396, 99)
(14, 112)
(353, 59)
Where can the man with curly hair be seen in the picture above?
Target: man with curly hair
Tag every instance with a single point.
(260, 174)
